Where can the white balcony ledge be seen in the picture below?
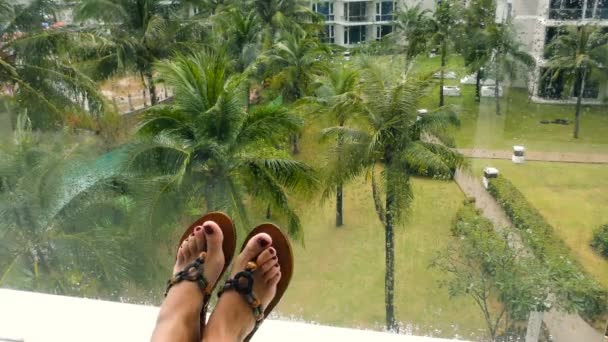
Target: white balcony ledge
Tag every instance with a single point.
(35, 317)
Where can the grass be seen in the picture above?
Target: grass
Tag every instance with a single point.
(572, 197)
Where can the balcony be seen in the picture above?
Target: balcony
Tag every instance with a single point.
(566, 14)
(356, 18)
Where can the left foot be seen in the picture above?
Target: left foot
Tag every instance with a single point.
(179, 316)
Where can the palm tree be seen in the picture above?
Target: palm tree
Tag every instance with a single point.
(508, 55)
(578, 53)
(414, 27)
(242, 33)
(480, 15)
(133, 34)
(338, 97)
(63, 216)
(290, 16)
(35, 68)
(445, 22)
(393, 140)
(207, 145)
(296, 61)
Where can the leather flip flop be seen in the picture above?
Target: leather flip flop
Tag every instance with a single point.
(228, 247)
(281, 244)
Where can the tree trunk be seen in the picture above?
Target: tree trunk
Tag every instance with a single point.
(579, 100)
(295, 143)
(389, 276)
(268, 213)
(151, 89)
(408, 62)
(339, 204)
(497, 96)
(443, 63)
(478, 86)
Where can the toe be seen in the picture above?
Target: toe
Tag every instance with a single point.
(180, 254)
(266, 255)
(185, 249)
(214, 237)
(199, 237)
(268, 265)
(192, 245)
(255, 246)
(272, 277)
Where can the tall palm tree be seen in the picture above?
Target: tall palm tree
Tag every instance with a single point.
(63, 216)
(480, 16)
(509, 56)
(445, 21)
(393, 139)
(575, 55)
(133, 34)
(207, 145)
(242, 33)
(338, 97)
(289, 16)
(36, 71)
(413, 28)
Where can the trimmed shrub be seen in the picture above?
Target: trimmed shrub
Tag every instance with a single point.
(600, 240)
(575, 289)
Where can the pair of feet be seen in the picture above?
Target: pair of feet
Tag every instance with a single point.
(232, 319)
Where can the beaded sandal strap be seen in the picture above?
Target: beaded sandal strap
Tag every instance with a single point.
(192, 272)
(243, 284)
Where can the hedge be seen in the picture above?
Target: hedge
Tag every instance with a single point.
(600, 240)
(576, 290)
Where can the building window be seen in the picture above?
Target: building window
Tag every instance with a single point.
(555, 88)
(576, 9)
(596, 9)
(384, 10)
(355, 34)
(382, 31)
(355, 11)
(326, 9)
(329, 34)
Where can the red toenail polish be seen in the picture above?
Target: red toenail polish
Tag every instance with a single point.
(274, 258)
(192, 234)
(197, 229)
(262, 242)
(277, 265)
(208, 229)
(272, 251)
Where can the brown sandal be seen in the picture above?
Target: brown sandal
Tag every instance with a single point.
(193, 271)
(243, 281)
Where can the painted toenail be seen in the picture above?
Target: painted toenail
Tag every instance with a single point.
(274, 258)
(262, 242)
(272, 251)
(192, 234)
(197, 229)
(208, 229)
(276, 265)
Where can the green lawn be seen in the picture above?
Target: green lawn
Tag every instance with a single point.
(339, 278)
(572, 197)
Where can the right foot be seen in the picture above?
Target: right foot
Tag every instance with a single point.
(179, 315)
(233, 319)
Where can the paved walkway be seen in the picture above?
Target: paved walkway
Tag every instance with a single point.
(563, 327)
(565, 157)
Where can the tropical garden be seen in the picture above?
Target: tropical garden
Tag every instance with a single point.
(244, 108)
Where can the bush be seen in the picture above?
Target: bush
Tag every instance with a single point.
(574, 288)
(600, 240)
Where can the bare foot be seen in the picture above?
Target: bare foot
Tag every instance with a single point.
(179, 316)
(232, 319)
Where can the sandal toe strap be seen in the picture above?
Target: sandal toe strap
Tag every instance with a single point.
(192, 272)
(243, 284)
